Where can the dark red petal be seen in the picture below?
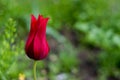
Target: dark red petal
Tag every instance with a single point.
(32, 32)
(29, 51)
(40, 21)
(29, 42)
(41, 47)
(44, 48)
(38, 46)
(33, 23)
(42, 27)
(47, 49)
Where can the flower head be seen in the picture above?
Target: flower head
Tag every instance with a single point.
(36, 46)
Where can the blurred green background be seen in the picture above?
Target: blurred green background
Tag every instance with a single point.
(84, 37)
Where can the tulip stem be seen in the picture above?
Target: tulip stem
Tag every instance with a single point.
(34, 70)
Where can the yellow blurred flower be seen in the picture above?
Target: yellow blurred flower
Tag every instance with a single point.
(21, 76)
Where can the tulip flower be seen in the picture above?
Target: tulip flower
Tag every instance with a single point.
(36, 45)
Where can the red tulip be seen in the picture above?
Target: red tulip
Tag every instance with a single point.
(36, 46)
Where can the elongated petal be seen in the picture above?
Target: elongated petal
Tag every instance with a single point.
(32, 32)
(42, 27)
(33, 23)
(39, 21)
(47, 51)
(40, 45)
(29, 51)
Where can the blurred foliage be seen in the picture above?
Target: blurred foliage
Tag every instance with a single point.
(8, 51)
(90, 23)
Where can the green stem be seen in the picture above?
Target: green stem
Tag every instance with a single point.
(34, 70)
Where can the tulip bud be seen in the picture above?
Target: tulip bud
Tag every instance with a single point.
(36, 46)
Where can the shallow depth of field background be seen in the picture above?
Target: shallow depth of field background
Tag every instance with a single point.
(84, 37)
